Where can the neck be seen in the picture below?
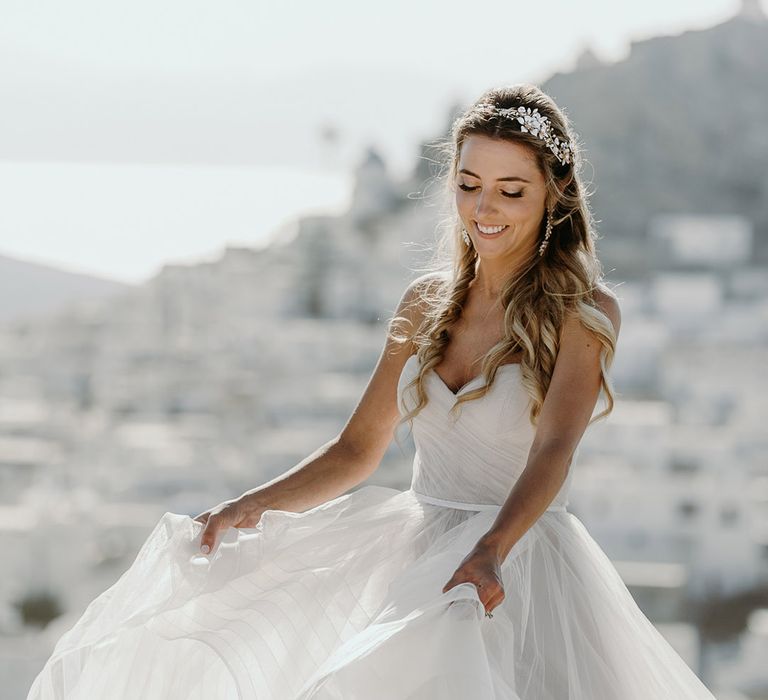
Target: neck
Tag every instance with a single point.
(491, 276)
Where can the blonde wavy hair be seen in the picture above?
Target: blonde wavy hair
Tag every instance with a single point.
(541, 293)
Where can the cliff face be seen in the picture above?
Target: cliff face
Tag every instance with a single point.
(679, 126)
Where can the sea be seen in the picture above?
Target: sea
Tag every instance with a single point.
(125, 221)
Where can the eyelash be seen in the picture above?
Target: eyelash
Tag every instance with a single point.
(466, 188)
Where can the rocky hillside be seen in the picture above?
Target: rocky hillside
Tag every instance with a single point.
(679, 126)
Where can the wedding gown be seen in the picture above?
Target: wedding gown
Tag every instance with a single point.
(344, 601)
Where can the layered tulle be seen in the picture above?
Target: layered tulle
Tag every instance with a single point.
(345, 601)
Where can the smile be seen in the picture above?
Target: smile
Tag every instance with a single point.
(489, 230)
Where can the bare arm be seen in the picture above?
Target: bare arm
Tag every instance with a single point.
(350, 457)
(566, 411)
(328, 472)
(353, 455)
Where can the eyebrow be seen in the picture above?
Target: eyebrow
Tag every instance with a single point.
(513, 178)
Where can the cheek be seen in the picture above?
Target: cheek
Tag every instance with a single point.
(526, 210)
(516, 210)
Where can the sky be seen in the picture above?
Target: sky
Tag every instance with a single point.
(125, 121)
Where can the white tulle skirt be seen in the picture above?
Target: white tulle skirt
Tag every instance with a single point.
(345, 601)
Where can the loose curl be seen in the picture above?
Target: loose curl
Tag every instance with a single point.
(542, 292)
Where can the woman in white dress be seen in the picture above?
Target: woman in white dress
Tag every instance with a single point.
(476, 583)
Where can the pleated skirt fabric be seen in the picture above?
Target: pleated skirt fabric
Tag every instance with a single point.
(345, 602)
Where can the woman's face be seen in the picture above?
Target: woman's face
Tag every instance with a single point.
(499, 184)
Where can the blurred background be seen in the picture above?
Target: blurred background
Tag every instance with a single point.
(209, 211)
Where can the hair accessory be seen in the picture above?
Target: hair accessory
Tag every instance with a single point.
(488, 614)
(537, 124)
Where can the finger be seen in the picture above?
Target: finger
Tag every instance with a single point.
(457, 582)
(485, 592)
(208, 538)
(453, 581)
(202, 518)
(494, 602)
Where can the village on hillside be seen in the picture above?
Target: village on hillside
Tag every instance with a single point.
(212, 378)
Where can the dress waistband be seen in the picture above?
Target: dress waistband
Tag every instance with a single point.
(460, 505)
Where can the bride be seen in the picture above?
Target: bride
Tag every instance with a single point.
(474, 583)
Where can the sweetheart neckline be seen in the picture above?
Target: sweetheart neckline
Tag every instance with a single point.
(471, 381)
(474, 379)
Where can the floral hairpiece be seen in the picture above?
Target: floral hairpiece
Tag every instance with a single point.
(538, 125)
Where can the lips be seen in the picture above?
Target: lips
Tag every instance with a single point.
(489, 235)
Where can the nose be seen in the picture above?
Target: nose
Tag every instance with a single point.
(484, 210)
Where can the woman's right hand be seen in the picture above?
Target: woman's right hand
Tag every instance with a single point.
(244, 511)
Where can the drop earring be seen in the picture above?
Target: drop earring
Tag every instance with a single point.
(547, 233)
(466, 237)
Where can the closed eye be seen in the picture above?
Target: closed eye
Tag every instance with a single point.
(466, 188)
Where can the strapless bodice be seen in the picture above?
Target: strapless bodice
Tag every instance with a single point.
(474, 454)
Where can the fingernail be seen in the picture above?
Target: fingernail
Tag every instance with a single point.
(205, 549)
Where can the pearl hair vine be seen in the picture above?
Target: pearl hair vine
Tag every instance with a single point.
(536, 124)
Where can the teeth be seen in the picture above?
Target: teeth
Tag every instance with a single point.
(491, 229)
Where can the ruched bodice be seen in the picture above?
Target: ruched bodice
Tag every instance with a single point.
(475, 455)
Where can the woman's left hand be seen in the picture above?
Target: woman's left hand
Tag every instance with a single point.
(482, 567)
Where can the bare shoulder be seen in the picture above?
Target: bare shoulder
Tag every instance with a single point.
(608, 303)
(415, 298)
(421, 286)
(370, 428)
